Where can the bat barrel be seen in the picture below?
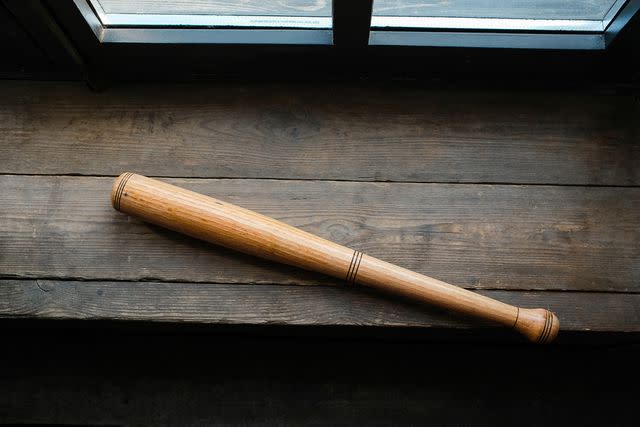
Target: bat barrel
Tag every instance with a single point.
(246, 231)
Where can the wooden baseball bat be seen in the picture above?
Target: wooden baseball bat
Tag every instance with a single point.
(246, 231)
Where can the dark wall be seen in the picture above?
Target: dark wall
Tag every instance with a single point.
(33, 46)
(19, 52)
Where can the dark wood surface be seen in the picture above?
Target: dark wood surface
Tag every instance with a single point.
(324, 131)
(477, 236)
(531, 197)
(275, 305)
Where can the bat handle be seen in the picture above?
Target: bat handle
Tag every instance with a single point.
(536, 324)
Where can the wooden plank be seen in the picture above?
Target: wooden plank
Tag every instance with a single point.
(476, 236)
(320, 132)
(527, 9)
(233, 304)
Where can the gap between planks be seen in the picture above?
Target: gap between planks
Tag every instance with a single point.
(363, 180)
(79, 279)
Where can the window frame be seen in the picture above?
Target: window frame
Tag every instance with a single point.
(200, 34)
(348, 16)
(62, 31)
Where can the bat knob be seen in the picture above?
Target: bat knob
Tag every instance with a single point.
(538, 325)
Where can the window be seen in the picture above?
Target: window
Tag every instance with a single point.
(188, 21)
(537, 24)
(189, 13)
(563, 24)
(565, 15)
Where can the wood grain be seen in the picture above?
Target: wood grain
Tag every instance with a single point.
(288, 305)
(323, 131)
(475, 236)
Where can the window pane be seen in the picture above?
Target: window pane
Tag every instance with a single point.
(508, 9)
(208, 7)
(518, 24)
(306, 14)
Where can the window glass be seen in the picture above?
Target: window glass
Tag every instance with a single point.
(245, 13)
(515, 9)
(567, 15)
